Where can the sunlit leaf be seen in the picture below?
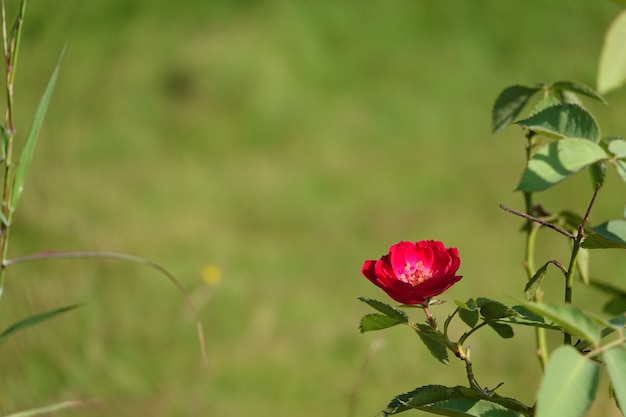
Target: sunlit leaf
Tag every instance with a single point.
(509, 104)
(563, 121)
(610, 234)
(578, 88)
(558, 160)
(570, 318)
(615, 360)
(569, 385)
(617, 147)
(612, 68)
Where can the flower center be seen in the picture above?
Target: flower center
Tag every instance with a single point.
(415, 274)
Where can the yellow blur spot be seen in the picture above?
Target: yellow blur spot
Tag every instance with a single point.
(211, 274)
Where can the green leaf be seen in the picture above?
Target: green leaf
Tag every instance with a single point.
(578, 88)
(570, 318)
(32, 320)
(15, 37)
(558, 160)
(387, 310)
(563, 121)
(532, 286)
(509, 104)
(504, 330)
(615, 305)
(375, 321)
(569, 385)
(620, 166)
(469, 317)
(610, 234)
(612, 325)
(612, 69)
(494, 310)
(618, 148)
(583, 265)
(31, 140)
(615, 360)
(434, 341)
(597, 172)
(455, 402)
(526, 317)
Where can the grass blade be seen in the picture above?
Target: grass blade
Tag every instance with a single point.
(49, 408)
(32, 320)
(128, 258)
(31, 140)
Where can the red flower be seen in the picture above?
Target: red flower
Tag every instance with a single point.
(411, 273)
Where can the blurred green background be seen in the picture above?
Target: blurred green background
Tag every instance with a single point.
(284, 142)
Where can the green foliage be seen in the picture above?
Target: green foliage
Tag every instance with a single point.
(509, 104)
(615, 359)
(31, 140)
(610, 234)
(32, 320)
(386, 309)
(569, 385)
(612, 70)
(453, 402)
(568, 317)
(532, 286)
(562, 121)
(434, 341)
(558, 160)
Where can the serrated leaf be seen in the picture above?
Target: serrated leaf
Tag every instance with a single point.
(563, 121)
(558, 160)
(435, 343)
(504, 330)
(612, 68)
(469, 317)
(608, 235)
(509, 104)
(569, 385)
(454, 401)
(386, 309)
(31, 140)
(578, 88)
(570, 318)
(375, 321)
(33, 320)
(532, 286)
(615, 360)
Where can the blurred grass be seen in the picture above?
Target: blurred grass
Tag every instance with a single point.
(285, 142)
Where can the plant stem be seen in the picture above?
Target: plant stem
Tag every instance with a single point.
(569, 279)
(9, 130)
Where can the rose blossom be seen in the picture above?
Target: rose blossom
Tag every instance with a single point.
(411, 273)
